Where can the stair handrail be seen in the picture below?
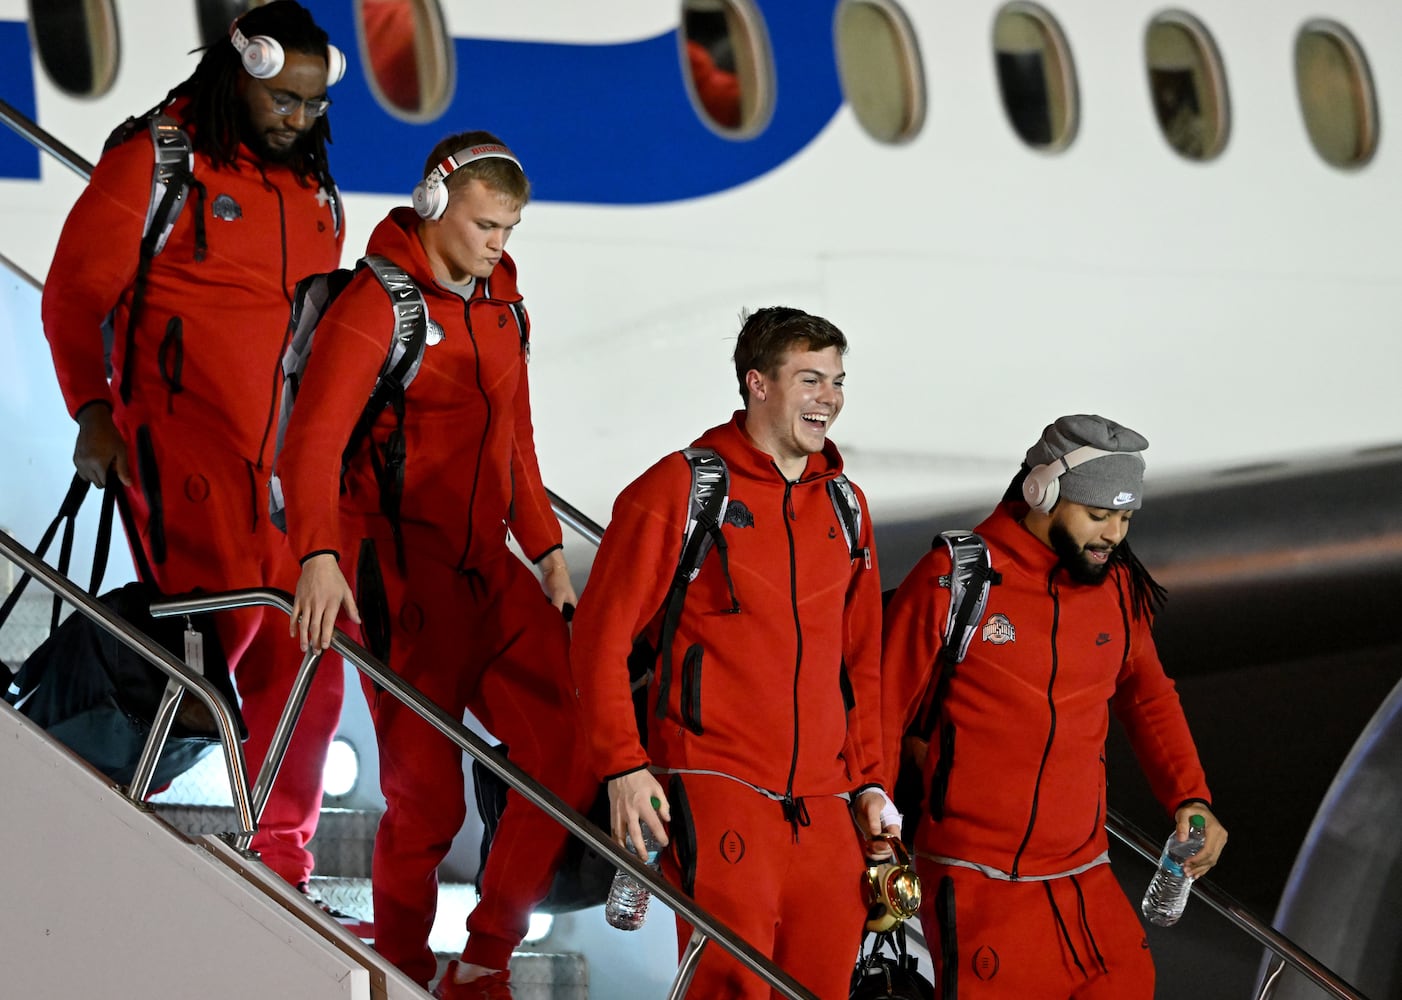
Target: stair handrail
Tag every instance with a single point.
(26, 128)
(707, 927)
(180, 679)
(1229, 907)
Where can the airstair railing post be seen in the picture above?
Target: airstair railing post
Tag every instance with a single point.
(155, 741)
(282, 736)
(686, 968)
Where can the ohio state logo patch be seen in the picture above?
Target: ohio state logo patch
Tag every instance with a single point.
(998, 630)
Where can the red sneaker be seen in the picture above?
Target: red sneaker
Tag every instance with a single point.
(493, 986)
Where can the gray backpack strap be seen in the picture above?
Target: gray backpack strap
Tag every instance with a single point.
(849, 515)
(705, 513)
(406, 351)
(175, 165)
(523, 324)
(970, 576)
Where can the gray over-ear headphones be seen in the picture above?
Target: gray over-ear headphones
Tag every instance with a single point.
(263, 57)
(1042, 487)
(431, 194)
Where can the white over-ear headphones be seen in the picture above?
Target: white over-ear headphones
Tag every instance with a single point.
(431, 194)
(1042, 486)
(263, 57)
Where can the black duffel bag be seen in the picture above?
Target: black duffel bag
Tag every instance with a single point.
(94, 693)
(584, 876)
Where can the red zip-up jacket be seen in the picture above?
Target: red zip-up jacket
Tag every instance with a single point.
(763, 698)
(471, 464)
(1030, 706)
(265, 230)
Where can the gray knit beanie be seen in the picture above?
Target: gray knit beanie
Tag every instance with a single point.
(1111, 482)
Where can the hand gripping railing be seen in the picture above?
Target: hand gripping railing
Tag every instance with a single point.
(1224, 904)
(180, 679)
(706, 926)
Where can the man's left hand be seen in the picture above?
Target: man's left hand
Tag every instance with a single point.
(555, 578)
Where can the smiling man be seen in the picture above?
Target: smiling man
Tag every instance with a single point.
(1020, 901)
(199, 324)
(763, 730)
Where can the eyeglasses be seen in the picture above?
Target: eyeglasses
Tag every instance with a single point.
(285, 104)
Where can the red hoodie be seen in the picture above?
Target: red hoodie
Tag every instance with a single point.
(1030, 707)
(763, 699)
(265, 230)
(470, 448)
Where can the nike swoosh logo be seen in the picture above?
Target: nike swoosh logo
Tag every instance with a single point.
(1102, 638)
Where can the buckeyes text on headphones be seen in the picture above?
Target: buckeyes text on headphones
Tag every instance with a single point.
(430, 195)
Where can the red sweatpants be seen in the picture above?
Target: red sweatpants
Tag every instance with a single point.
(1075, 936)
(215, 534)
(794, 893)
(487, 640)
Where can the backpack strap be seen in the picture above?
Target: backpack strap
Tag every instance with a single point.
(849, 515)
(523, 324)
(706, 505)
(970, 576)
(401, 365)
(172, 179)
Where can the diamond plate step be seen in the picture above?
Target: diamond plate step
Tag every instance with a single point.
(535, 975)
(344, 841)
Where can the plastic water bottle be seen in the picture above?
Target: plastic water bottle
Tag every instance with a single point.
(626, 906)
(1167, 894)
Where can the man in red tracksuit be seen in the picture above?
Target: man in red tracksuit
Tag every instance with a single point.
(185, 421)
(770, 715)
(1019, 898)
(446, 603)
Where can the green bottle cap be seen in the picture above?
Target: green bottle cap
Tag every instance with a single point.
(657, 804)
(1196, 821)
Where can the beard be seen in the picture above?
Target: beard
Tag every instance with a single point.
(1079, 566)
(257, 140)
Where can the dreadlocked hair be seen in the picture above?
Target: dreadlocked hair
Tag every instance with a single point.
(1146, 595)
(215, 107)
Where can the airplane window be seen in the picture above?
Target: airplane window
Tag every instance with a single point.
(729, 67)
(1036, 76)
(77, 44)
(215, 16)
(880, 67)
(1336, 94)
(1187, 85)
(409, 55)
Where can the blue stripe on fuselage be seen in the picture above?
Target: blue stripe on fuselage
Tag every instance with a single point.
(597, 124)
(17, 157)
(594, 124)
